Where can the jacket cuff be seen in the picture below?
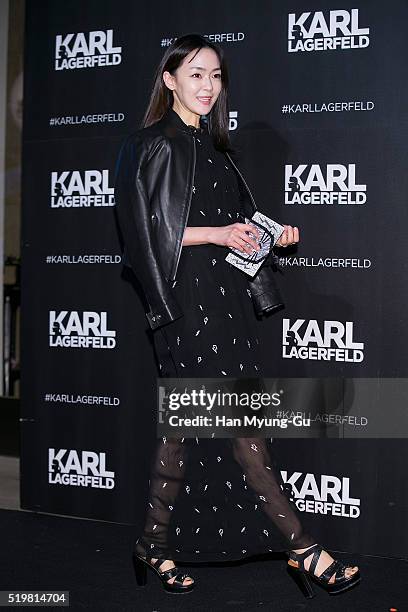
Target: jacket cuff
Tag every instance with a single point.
(266, 303)
(265, 293)
(164, 316)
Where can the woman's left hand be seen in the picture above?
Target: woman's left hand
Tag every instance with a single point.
(289, 236)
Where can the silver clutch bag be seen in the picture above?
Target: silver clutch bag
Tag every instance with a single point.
(269, 232)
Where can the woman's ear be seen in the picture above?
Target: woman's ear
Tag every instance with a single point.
(168, 80)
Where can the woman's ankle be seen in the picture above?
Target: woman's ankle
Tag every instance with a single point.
(301, 549)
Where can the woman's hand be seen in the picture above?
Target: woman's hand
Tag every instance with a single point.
(235, 236)
(289, 236)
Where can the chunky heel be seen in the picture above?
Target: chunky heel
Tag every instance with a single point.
(302, 581)
(140, 571)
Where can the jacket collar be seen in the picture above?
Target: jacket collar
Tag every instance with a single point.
(173, 119)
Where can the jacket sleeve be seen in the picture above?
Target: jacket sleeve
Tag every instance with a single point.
(134, 220)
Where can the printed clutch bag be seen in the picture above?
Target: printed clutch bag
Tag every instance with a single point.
(269, 232)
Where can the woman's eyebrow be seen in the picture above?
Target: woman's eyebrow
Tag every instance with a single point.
(201, 68)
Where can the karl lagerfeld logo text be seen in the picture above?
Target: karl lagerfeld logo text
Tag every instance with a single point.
(81, 188)
(327, 341)
(80, 469)
(330, 496)
(330, 184)
(86, 50)
(80, 330)
(325, 32)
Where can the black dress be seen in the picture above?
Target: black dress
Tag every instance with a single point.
(214, 499)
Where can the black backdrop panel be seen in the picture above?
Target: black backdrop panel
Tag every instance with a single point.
(322, 125)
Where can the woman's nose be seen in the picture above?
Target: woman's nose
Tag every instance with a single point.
(207, 83)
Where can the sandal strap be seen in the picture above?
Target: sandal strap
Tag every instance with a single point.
(315, 560)
(316, 549)
(170, 573)
(179, 579)
(156, 564)
(167, 574)
(334, 568)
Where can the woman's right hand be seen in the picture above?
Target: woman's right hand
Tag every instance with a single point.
(234, 236)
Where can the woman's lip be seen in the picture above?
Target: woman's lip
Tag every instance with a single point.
(204, 100)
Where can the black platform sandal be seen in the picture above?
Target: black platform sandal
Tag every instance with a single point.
(304, 577)
(141, 564)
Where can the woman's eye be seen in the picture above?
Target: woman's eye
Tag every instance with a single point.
(218, 76)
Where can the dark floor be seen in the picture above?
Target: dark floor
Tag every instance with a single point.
(92, 560)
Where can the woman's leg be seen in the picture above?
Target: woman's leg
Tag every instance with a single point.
(166, 476)
(254, 458)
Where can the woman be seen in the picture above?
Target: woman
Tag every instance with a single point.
(179, 196)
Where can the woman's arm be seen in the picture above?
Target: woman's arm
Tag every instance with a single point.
(234, 235)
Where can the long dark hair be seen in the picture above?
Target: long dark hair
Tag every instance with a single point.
(161, 98)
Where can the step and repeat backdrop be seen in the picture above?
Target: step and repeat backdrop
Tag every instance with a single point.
(318, 118)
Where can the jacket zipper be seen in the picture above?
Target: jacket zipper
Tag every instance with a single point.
(243, 180)
(188, 210)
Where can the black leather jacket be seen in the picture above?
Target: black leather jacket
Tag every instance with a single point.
(153, 189)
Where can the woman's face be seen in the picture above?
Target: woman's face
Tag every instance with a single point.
(196, 84)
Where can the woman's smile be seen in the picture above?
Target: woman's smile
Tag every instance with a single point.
(206, 100)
